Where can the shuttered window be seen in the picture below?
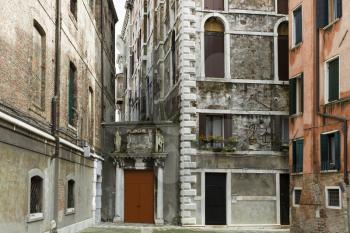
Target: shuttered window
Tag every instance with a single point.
(214, 5)
(333, 80)
(282, 6)
(328, 11)
(330, 151)
(296, 95)
(297, 26)
(215, 126)
(72, 98)
(298, 156)
(214, 48)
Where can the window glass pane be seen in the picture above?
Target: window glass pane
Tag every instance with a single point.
(333, 197)
(297, 196)
(333, 80)
(36, 186)
(217, 126)
(297, 26)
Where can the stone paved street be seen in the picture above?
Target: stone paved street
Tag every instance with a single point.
(109, 228)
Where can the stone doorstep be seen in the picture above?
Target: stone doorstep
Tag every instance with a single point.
(252, 229)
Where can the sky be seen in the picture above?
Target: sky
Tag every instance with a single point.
(119, 4)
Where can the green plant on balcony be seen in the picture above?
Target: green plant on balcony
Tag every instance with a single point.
(217, 143)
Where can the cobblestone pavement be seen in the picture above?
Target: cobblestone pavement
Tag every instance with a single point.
(111, 228)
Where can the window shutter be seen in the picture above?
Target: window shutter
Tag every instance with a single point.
(294, 156)
(300, 145)
(324, 152)
(339, 8)
(227, 126)
(202, 124)
(322, 13)
(333, 80)
(292, 96)
(214, 54)
(337, 150)
(302, 93)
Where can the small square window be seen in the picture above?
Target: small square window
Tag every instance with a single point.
(333, 197)
(296, 197)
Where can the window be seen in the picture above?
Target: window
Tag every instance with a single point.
(285, 131)
(173, 58)
(72, 95)
(298, 146)
(333, 197)
(330, 151)
(297, 26)
(296, 95)
(283, 52)
(328, 11)
(332, 80)
(296, 197)
(74, 8)
(215, 129)
(91, 125)
(36, 196)
(38, 67)
(214, 48)
(217, 5)
(70, 196)
(282, 7)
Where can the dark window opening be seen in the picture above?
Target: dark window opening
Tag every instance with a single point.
(296, 95)
(214, 48)
(282, 7)
(283, 52)
(297, 196)
(72, 95)
(328, 11)
(173, 58)
(298, 147)
(330, 151)
(297, 26)
(74, 8)
(36, 194)
(70, 194)
(217, 5)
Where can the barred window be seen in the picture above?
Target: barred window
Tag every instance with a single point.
(70, 194)
(333, 196)
(36, 194)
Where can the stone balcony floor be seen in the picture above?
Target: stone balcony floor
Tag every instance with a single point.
(112, 228)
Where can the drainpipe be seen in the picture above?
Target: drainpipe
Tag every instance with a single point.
(56, 114)
(341, 119)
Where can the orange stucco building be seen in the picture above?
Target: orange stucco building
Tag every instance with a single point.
(320, 92)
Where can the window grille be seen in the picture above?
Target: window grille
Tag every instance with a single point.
(70, 200)
(333, 197)
(36, 194)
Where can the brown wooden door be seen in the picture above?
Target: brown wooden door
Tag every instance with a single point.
(139, 196)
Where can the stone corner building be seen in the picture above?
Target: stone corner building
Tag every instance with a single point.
(205, 115)
(56, 88)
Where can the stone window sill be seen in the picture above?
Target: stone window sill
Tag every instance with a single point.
(295, 47)
(329, 171)
(330, 25)
(35, 217)
(70, 211)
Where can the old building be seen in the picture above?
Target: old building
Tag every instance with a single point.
(56, 88)
(319, 51)
(218, 70)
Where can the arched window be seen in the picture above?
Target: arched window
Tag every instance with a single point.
(70, 196)
(214, 48)
(36, 195)
(283, 49)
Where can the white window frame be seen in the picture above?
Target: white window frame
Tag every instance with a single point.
(296, 188)
(293, 27)
(326, 80)
(327, 198)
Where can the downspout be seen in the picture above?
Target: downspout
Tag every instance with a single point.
(102, 76)
(56, 113)
(325, 115)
